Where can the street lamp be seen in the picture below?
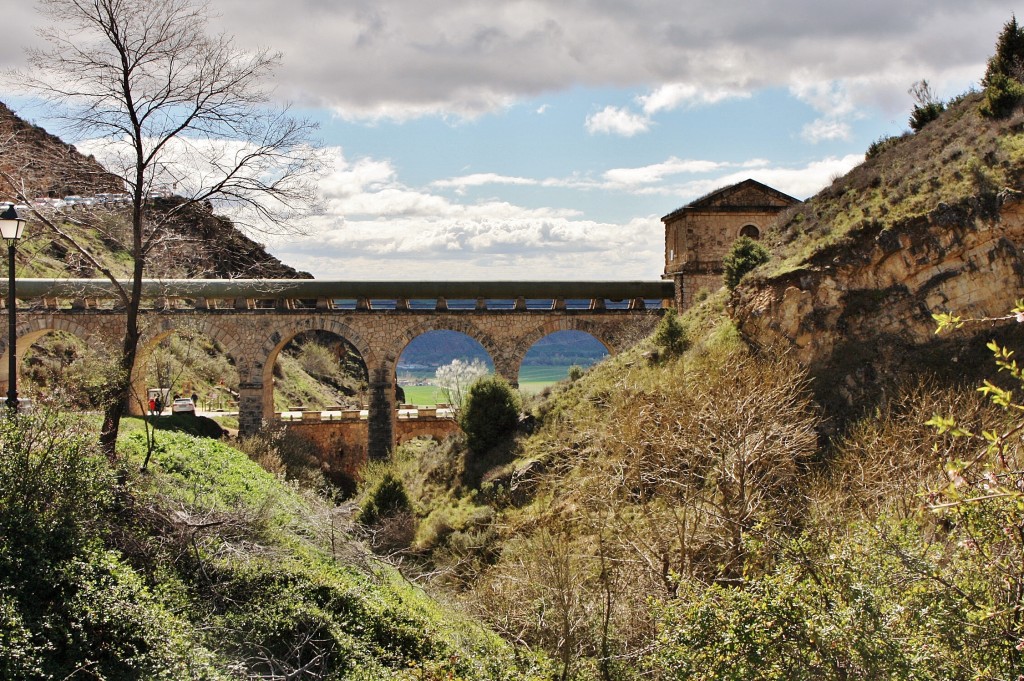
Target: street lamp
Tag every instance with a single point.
(11, 228)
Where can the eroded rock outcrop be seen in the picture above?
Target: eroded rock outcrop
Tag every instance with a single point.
(855, 305)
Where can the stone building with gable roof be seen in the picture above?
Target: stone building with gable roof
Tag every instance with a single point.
(700, 234)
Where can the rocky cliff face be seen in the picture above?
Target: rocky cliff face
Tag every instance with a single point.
(44, 164)
(858, 312)
(931, 222)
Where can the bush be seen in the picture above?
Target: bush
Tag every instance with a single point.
(54, 486)
(1009, 57)
(1001, 96)
(927, 107)
(67, 603)
(922, 115)
(575, 373)
(387, 498)
(490, 411)
(882, 144)
(744, 256)
(670, 335)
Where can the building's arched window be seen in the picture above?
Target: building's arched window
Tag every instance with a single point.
(750, 230)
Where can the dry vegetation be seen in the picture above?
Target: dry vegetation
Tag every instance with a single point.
(962, 158)
(680, 515)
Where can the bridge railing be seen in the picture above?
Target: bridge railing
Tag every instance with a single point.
(308, 294)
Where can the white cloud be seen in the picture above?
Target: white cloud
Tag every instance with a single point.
(633, 177)
(615, 121)
(483, 248)
(481, 179)
(800, 182)
(400, 59)
(675, 95)
(829, 97)
(376, 227)
(825, 130)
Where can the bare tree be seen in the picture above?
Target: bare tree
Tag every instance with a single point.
(169, 109)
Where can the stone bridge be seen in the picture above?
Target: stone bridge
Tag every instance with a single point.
(254, 319)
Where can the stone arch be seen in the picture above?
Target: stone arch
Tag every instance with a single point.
(166, 326)
(263, 364)
(573, 335)
(750, 230)
(526, 341)
(464, 326)
(30, 330)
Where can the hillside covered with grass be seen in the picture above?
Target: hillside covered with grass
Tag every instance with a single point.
(204, 567)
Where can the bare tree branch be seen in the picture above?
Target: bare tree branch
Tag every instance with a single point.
(169, 109)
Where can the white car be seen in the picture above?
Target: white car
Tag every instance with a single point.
(183, 405)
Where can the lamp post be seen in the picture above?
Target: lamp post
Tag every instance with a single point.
(11, 228)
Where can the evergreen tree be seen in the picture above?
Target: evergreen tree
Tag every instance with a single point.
(745, 255)
(1002, 81)
(1009, 57)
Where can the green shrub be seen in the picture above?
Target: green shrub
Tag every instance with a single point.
(575, 373)
(387, 498)
(54, 485)
(670, 335)
(1009, 57)
(922, 115)
(881, 144)
(67, 603)
(490, 412)
(1001, 96)
(927, 107)
(744, 256)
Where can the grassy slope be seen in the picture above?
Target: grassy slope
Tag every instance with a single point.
(382, 624)
(212, 568)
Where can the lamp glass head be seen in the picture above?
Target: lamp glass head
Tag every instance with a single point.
(11, 226)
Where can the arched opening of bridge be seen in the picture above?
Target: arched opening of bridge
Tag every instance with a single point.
(435, 367)
(61, 366)
(550, 359)
(319, 371)
(186, 363)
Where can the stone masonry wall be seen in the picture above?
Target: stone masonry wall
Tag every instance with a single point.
(340, 445)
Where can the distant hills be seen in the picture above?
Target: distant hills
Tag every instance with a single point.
(564, 348)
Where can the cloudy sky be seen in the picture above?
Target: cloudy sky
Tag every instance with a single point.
(533, 139)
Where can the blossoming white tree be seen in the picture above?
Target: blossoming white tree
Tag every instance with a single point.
(455, 378)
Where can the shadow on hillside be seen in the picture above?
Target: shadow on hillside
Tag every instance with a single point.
(200, 426)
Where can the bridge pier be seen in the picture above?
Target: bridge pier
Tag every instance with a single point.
(250, 408)
(381, 417)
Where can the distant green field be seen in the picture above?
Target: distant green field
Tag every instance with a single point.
(543, 374)
(532, 379)
(421, 394)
